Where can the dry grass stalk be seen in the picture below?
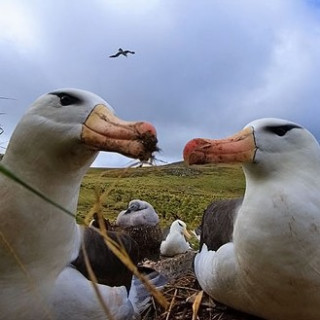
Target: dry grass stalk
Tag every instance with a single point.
(119, 250)
(172, 303)
(94, 284)
(122, 255)
(31, 281)
(196, 305)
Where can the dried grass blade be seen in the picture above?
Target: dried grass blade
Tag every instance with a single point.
(121, 253)
(196, 305)
(172, 303)
(24, 270)
(94, 284)
(118, 250)
(15, 178)
(100, 198)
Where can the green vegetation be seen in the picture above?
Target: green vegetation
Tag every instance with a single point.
(174, 190)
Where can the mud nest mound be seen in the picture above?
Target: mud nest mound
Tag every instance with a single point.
(181, 294)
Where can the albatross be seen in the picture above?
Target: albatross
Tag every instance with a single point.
(175, 243)
(141, 222)
(51, 149)
(271, 268)
(217, 222)
(139, 212)
(121, 52)
(107, 267)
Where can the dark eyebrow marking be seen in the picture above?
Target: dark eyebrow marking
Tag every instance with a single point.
(72, 99)
(281, 130)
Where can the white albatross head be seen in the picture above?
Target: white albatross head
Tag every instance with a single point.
(265, 147)
(175, 242)
(71, 126)
(178, 226)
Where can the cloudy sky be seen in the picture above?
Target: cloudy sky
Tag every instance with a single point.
(202, 68)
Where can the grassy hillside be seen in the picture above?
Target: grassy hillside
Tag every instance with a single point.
(174, 190)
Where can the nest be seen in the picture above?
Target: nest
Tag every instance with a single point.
(182, 294)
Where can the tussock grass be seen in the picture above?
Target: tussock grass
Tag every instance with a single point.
(174, 190)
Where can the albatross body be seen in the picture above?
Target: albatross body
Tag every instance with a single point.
(121, 52)
(108, 269)
(51, 149)
(141, 222)
(175, 242)
(217, 222)
(271, 269)
(139, 212)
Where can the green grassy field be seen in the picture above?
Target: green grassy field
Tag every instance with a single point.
(174, 190)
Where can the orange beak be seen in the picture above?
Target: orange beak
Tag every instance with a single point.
(104, 131)
(235, 149)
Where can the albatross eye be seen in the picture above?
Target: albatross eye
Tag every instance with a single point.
(66, 100)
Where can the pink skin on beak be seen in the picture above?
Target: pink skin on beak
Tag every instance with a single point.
(104, 131)
(235, 149)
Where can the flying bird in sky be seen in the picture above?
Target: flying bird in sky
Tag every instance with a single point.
(121, 52)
